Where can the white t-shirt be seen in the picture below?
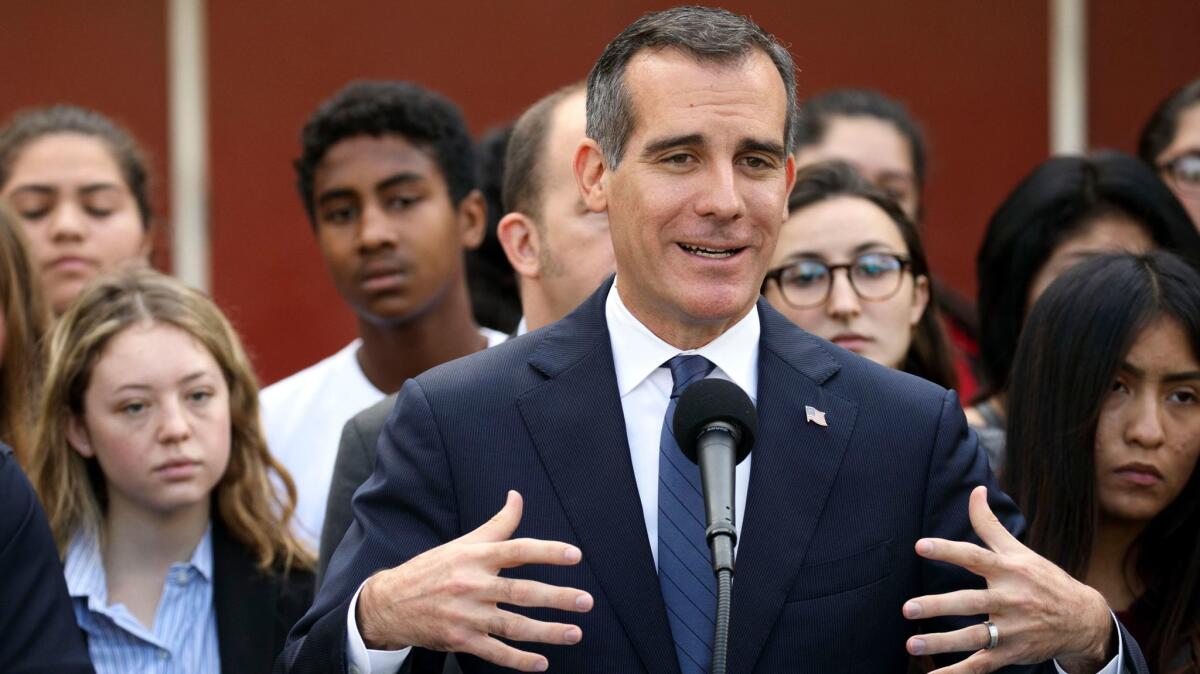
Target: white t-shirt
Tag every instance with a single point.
(303, 416)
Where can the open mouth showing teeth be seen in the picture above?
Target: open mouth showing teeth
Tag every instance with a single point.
(715, 253)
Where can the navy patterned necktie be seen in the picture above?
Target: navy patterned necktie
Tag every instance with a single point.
(685, 573)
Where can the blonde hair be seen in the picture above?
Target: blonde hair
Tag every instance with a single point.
(25, 319)
(72, 487)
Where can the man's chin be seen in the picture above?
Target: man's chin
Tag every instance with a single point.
(717, 306)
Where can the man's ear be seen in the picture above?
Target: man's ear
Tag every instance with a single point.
(78, 437)
(472, 219)
(522, 244)
(591, 172)
(790, 168)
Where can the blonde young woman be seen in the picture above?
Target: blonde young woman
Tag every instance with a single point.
(150, 460)
(23, 319)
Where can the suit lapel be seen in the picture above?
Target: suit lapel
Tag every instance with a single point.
(244, 603)
(794, 466)
(577, 424)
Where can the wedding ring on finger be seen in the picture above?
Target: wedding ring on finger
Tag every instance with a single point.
(993, 635)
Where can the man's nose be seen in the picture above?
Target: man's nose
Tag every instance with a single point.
(843, 301)
(376, 229)
(719, 197)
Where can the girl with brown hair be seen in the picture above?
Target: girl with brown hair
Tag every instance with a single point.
(161, 493)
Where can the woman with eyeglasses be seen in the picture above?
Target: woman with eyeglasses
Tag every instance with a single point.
(849, 267)
(1170, 143)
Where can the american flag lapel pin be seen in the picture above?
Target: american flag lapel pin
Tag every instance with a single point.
(814, 416)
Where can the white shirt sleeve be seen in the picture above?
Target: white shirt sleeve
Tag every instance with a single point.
(1114, 666)
(362, 660)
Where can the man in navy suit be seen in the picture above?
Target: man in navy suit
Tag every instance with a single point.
(688, 151)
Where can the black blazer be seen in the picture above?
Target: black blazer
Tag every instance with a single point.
(255, 610)
(38, 632)
(826, 553)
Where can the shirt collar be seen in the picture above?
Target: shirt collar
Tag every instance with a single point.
(84, 568)
(83, 565)
(202, 557)
(638, 352)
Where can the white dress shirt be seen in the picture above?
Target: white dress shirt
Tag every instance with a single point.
(645, 390)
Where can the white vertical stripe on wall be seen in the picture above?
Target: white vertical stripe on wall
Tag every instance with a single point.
(1068, 76)
(188, 105)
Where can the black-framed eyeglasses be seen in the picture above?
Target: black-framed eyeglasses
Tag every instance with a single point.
(1183, 172)
(807, 283)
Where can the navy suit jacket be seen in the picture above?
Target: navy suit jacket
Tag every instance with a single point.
(38, 632)
(825, 557)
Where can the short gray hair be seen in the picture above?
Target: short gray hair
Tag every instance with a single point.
(708, 34)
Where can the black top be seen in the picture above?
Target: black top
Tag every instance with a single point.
(255, 610)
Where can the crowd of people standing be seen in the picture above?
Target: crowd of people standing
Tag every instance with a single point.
(160, 508)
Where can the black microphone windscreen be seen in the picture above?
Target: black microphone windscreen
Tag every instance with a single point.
(710, 400)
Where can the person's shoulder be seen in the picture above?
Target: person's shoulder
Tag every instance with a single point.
(878, 387)
(850, 375)
(16, 494)
(494, 365)
(305, 382)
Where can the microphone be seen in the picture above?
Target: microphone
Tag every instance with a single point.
(715, 424)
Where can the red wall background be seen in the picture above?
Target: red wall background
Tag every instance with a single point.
(974, 74)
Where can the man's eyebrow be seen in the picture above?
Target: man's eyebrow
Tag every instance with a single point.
(404, 178)
(393, 180)
(335, 194)
(664, 144)
(765, 146)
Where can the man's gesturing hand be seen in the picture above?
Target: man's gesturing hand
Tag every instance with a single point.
(446, 599)
(1041, 612)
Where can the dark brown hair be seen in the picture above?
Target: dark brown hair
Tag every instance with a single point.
(1077, 335)
(30, 125)
(25, 317)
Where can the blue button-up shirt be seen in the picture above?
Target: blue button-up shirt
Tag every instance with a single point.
(183, 639)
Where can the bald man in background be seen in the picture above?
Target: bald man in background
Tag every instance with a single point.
(560, 250)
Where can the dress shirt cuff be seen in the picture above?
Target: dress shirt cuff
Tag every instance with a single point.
(362, 660)
(1117, 664)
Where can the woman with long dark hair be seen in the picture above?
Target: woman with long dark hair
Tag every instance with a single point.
(1103, 438)
(1066, 210)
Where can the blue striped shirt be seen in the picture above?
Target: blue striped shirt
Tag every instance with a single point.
(183, 639)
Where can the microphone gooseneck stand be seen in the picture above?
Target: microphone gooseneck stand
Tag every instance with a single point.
(721, 635)
(721, 535)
